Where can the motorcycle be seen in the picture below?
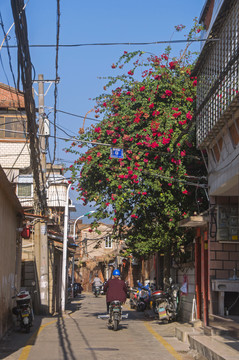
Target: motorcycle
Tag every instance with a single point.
(23, 311)
(115, 315)
(97, 290)
(166, 303)
(140, 298)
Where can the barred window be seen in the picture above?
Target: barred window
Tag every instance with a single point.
(108, 242)
(12, 127)
(24, 190)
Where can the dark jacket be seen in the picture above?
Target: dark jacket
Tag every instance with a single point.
(115, 290)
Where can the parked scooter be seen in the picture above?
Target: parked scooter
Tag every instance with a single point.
(140, 298)
(166, 303)
(23, 310)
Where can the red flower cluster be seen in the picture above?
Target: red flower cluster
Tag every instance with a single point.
(172, 64)
(168, 93)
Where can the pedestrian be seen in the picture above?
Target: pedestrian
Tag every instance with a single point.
(115, 289)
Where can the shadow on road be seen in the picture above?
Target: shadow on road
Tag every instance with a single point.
(17, 339)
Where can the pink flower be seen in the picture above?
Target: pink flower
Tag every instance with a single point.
(142, 88)
(130, 72)
(107, 204)
(104, 104)
(168, 93)
(119, 187)
(121, 176)
(172, 64)
(98, 154)
(166, 141)
(195, 83)
(157, 77)
(185, 191)
(114, 141)
(183, 153)
(189, 116)
(98, 130)
(151, 106)
(177, 114)
(189, 99)
(137, 120)
(114, 219)
(144, 193)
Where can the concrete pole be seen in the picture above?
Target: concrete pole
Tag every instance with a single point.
(64, 258)
(41, 240)
(42, 228)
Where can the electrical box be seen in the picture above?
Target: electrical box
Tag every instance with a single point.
(227, 223)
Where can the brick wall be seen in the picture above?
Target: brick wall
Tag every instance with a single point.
(12, 150)
(9, 97)
(223, 259)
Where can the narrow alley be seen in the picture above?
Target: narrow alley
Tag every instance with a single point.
(80, 334)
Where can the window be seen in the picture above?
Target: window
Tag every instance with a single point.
(108, 242)
(24, 190)
(12, 127)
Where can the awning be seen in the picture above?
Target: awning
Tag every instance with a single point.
(194, 221)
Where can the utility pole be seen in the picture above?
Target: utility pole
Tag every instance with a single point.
(41, 239)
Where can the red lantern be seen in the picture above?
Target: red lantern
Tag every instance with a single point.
(26, 232)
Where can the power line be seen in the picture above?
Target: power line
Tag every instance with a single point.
(25, 68)
(56, 82)
(119, 43)
(71, 114)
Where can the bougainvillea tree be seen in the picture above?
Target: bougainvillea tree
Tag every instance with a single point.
(148, 112)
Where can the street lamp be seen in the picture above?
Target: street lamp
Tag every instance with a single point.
(74, 237)
(64, 269)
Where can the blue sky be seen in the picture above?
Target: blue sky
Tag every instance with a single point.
(91, 22)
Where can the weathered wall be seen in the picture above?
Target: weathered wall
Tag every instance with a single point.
(186, 301)
(10, 258)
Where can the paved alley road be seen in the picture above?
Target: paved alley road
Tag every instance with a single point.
(81, 335)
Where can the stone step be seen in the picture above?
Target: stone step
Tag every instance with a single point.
(215, 347)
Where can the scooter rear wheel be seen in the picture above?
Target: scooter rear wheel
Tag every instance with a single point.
(115, 324)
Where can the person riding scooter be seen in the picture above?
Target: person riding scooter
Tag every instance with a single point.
(115, 289)
(96, 282)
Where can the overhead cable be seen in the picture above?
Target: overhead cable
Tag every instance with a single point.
(120, 43)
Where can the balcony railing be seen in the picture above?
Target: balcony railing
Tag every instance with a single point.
(218, 72)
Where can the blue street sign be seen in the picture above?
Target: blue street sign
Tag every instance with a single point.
(117, 153)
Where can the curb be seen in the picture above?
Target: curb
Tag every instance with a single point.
(211, 347)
